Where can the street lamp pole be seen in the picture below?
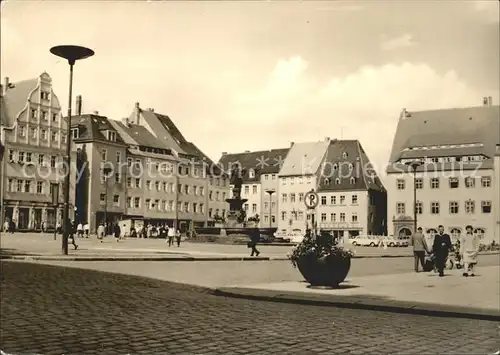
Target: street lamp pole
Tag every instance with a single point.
(270, 192)
(106, 172)
(414, 165)
(72, 54)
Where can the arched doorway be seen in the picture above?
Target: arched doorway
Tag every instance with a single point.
(455, 234)
(404, 232)
(480, 233)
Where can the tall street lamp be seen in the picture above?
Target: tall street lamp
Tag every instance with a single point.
(72, 54)
(106, 172)
(270, 192)
(414, 165)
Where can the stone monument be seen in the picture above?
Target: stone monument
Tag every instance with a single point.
(236, 214)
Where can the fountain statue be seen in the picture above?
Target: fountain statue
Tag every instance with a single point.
(236, 214)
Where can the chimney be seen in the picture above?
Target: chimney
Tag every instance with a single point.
(327, 139)
(490, 101)
(6, 84)
(485, 101)
(79, 105)
(291, 144)
(247, 151)
(151, 109)
(224, 153)
(137, 113)
(96, 113)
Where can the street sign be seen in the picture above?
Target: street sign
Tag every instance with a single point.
(311, 199)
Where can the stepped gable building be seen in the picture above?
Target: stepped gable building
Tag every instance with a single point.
(204, 186)
(353, 200)
(260, 177)
(455, 186)
(101, 172)
(300, 173)
(33, 132)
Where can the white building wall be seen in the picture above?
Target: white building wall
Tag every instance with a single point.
(269, 204)
(443, 195)
(252, 192)
(292, 215)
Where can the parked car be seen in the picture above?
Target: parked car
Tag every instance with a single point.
(404, 241)
(365, 240)
(392, 241)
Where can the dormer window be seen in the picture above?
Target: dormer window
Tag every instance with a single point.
(327, 181)
(335, 166)
(344, 155)
(353, 180)
(44, 95)
(75, 133)
(111, 136)
(337, 181)
(251, 173)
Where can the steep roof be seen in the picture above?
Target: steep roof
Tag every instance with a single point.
(158, 123)
(262, 162)
(15, 99)
(445, 127)
(137, 135)
(92, 127)
(346, 159)
(304, 158)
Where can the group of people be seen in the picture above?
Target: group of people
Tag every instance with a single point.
(468, 248)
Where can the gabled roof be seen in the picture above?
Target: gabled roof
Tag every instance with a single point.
(92, 127)
(161, 130)
(137, 135)
(262, 162)
(304, 158)
(447, 127)
(15, 99)
(346, 159)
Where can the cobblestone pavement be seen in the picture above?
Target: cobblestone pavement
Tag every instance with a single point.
(54, 310)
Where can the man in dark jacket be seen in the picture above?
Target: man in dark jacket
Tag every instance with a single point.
(254, 239)
(440, 249)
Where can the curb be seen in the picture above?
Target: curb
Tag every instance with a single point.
(360, 302)
(127, 258)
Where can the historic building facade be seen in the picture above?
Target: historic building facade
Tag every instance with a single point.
(455, 181)
(34, 135)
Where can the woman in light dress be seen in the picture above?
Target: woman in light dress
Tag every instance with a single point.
(469, 247)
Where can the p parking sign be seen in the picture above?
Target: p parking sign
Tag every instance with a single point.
(311, 199)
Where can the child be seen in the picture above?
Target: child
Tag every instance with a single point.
(469, 246)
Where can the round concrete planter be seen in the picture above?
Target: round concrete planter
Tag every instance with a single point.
(328, 271)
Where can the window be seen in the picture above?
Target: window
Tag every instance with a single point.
(301, 197)
(344, 155)
(19, 186)
(283, 215)
(202, 191)
(342, 217)
(266, 218)
(129, 202)
(327, 181)
(247, 190)
(353, 180)
(33, 132)
(118, 157)
(186, 206)
(171, 205)
(470, 182)
(53, 161)
(22, 131)
(453, 207)
(354, 199)
(266, 177)
(273, 205)
(195, 206)
(29, 155)
(74, 133)
(470, 206)
(43, 134)
(323, 200)
(137, 202)
(63, 138)
(434, 183)
(129, 182)
(486, 181)
(273, 217)
(44, 115)
(129, 162)
(354, 218)
(20, 157)
(251, 173)
(283, 198)
(137, 182)
(245, 207)
(342, 199)
(102, 197)
(333, 217)
(104, 154)
(434, 207)
(420, 207)
(333, 200)
(323, 217)
(337, 181)
(400, 183)
(118, 177)
(39, 187)
(273, 176)
(254, 207)
(400, 208)
(419, 183)
(164, 186)
(486, 206)
(44, 95)
(54, 117)
(453, 181)
(53, 136)
(254, 189)
(111, 136)
(148, 184)
(266, 206)
(116, 200)
(157, 186)
(33, 114)
(292, 198)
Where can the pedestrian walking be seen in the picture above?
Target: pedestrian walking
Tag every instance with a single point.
(417, 241)
(100, 232)
(6, 226)
(86, 230)
(170, 236)
(469, 247)
(44, 227)
(254, 239)
(440, 249)
(178, 237)
(79, 230)
(116, 232)
(71, 233)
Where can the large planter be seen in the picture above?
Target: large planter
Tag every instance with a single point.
(328, 271)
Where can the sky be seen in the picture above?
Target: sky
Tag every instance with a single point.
(238, 76)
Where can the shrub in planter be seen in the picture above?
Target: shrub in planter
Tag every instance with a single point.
(321, 261)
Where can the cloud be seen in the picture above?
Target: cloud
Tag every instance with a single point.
(403, 41)
(295, 106)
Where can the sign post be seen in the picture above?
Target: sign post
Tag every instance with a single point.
(311, 201)
(55, 203)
